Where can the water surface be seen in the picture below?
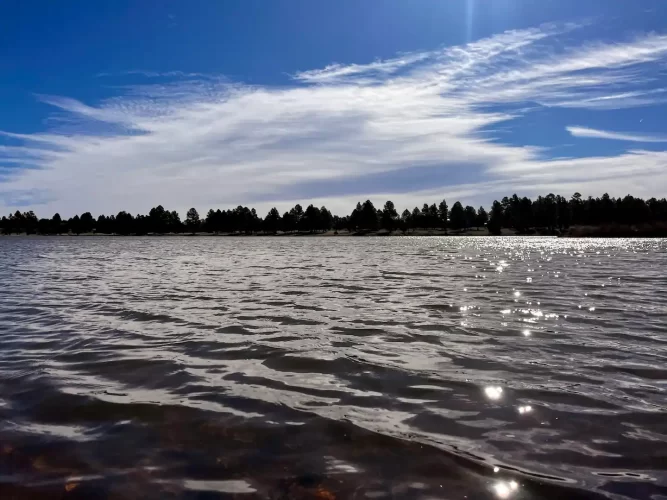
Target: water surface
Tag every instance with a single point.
(326, 368)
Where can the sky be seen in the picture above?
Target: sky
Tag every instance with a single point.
(123, 105)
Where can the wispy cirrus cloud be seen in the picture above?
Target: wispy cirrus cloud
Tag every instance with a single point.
(600, 101)
(616, 136)
(372, 72)
(211, 142)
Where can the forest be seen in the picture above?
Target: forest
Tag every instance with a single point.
(551, 214)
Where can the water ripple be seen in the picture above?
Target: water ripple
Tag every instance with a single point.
(333, 368)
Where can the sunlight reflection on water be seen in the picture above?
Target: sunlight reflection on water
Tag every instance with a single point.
(505, 489)
(493, 392)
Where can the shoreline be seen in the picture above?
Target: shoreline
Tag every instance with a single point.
(574, 232)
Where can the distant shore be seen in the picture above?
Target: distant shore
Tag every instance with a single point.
(551, 215)
(616, 231)
(656, 230)
(301, 234)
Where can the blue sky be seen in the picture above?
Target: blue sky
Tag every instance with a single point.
(113, 104)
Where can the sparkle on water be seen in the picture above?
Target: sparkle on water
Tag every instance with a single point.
(493, 392)
(505, 489)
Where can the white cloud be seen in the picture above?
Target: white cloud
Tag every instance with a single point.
(339, 73)
(616, 136)
(212, 143)
(622, 100)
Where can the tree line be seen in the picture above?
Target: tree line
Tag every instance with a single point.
(550, 214)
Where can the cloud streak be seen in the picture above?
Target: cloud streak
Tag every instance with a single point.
(372, 73)
(616, 136)
(210, 142)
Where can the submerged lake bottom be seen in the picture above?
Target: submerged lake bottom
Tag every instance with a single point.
(333, 368)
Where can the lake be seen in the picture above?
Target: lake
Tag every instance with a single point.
(324, 367)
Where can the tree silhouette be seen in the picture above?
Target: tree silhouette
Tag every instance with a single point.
(142, 225)
(482, 217)
(158, 220)
(470, 216)
(43, 226)
(544, 209)
(389, 219)
(526, 214)
(550, 214)
(255, 221)
(211, 222)
(104, 224)
(75, 225)
(87, 222)
(56, 223)
(297, 215)
(369, 216)
(124, 223)
(30, 222)
(495, 223)
(288, 223)
(272, 221)
(340, 223)
(416, 218)
(16, 222)
(443, 214)
(563, 210)
(405, 220)
(433, 216)
(192, 220)
(457, 216)
(354, 221)
(326, 219)
(311, 219)
(577, 208)
(19, 222)
(426, 221)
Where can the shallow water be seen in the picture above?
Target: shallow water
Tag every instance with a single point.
(333, 368)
